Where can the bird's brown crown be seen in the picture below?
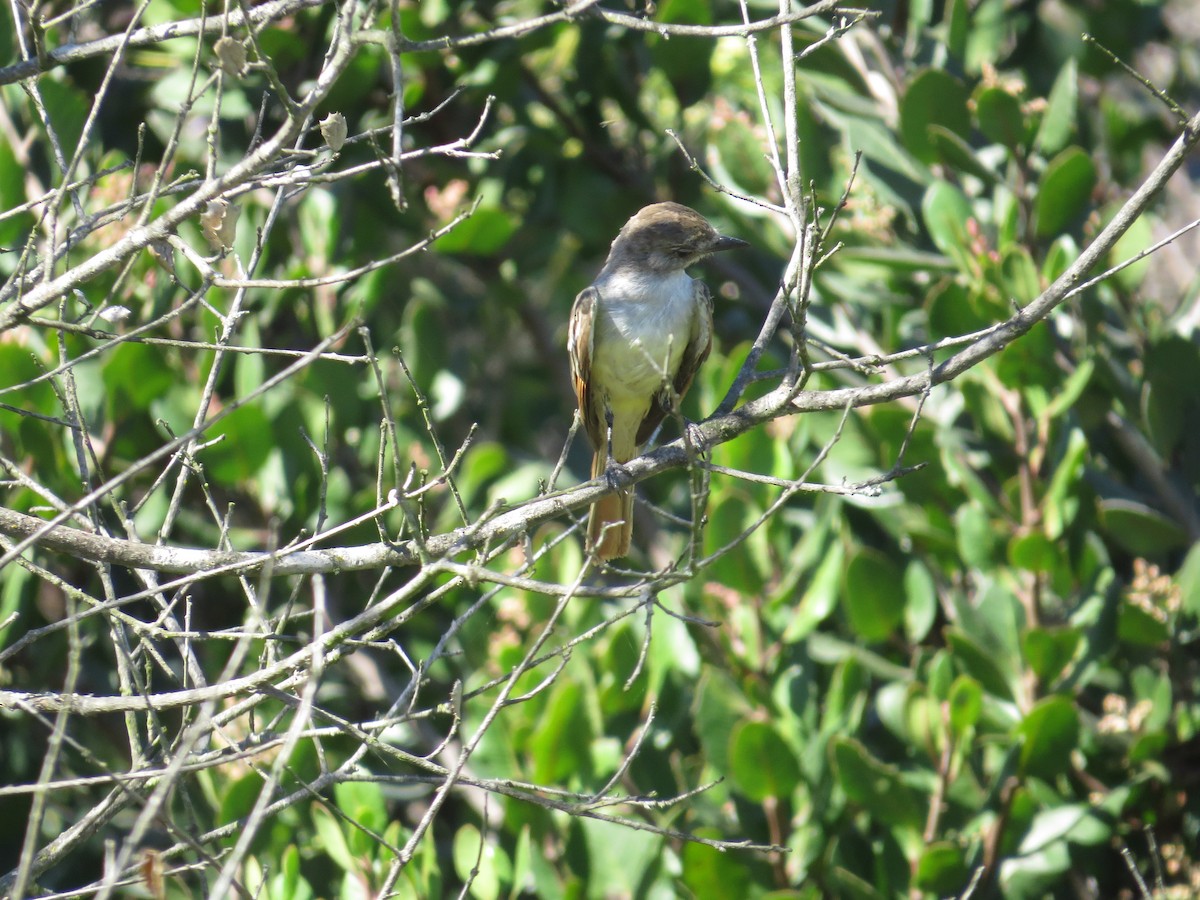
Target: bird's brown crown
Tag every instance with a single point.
(667, 237)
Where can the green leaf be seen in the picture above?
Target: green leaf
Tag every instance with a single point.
(891, 701)
(12, 589)
(825, 648)
(1147, 748)
(423, 329)
(934, 97)
(1070, 392)
(920, 16)
(980, 664)
(1033, 552)
(847, 885)
(1051, 825)
(481, 861)
(483, 463)
(1188, 579)
(1049, 651)
(8, 44)
(966, 704)
(67, 109)
(920, 601)
(1019, 275)
(945, 210)
(19, 367)
(138, 374)
(734, 149)
(1058, 118)
(239, 797)
(1136, 625)
(820, 599)
(484, 234)
(953, 309)
(1139, 237)
(1062, 253)
(942, 869)
(330, 834)
(956, 153)
(719, 706)
(1169, 402)
(1060, 505)
(958, 27)
(876, 786)
(244, 449)
(975, 536)
(1049, 732)
(320, 226)
(1030, 362)
(249, 369)
(362, 802)
(737, 512)
(873, 595)
(999, 116)
(710, 873)
(287, 882)
(989, 38)
(559, 743)
(1142, 531)
(13, 229)
(689, 65)
(522, 875)
(1064, 191)
(619, 858)
(1091, 831)
(1029, 875)
(940, 674)
(1154, 688)
(761, 762)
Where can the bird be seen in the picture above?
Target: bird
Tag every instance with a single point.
(637, 336)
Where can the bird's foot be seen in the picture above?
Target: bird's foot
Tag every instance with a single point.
(694, 437)
(615, 473)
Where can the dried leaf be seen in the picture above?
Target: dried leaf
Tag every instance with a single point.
(219, 222)
(163, 254)
(152, 873)
(333, 129)
(232, 55)
(115, 314)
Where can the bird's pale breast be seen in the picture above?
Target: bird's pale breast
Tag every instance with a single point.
(643, 325)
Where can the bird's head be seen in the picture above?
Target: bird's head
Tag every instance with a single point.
(667, 237)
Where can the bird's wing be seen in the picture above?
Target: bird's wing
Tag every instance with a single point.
(580, 340)
(694, 355)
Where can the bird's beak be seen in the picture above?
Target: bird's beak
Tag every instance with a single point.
(727, 243)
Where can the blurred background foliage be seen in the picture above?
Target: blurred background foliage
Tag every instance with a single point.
(985, 679)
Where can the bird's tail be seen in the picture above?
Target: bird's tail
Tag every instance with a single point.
(610, 528)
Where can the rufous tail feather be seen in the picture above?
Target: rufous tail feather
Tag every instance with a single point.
(610, 527)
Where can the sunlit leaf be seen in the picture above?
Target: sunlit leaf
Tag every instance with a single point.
(761, 762)
(877, 787)
(873, 595)
(1064, 192)
(1049, 732)
(999, 116)
(1058, 119)
(933, 97)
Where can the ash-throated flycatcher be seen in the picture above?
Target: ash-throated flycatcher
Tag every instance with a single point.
(638, 334)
